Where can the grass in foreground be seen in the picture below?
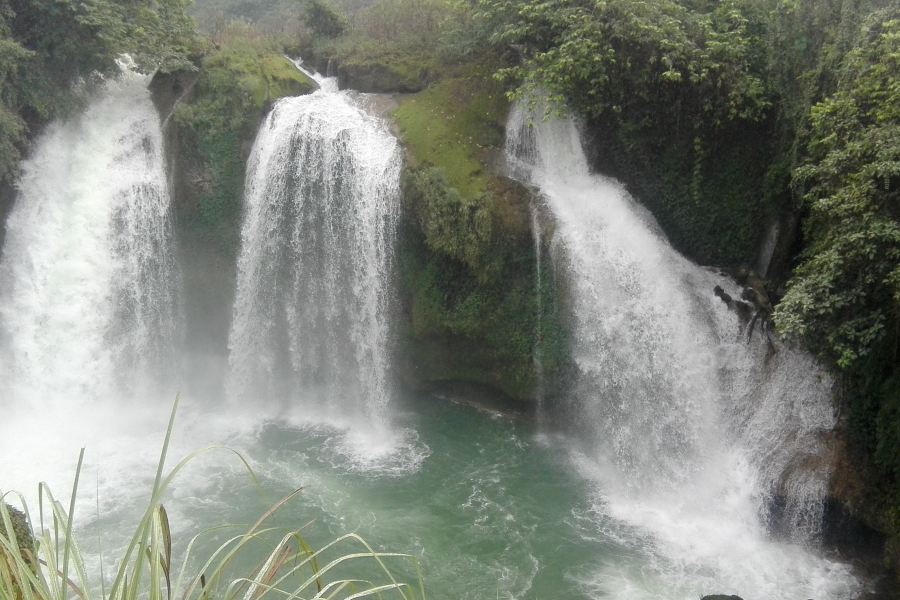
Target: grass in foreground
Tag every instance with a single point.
(54, 568)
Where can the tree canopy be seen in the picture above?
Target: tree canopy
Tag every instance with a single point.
(844, 297)
(46, 46)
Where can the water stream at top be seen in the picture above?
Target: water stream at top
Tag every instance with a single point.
(688, 429)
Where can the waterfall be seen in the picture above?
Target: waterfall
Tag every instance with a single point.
(86, 276)
(88, 303)
(310, 323)
(689, 430)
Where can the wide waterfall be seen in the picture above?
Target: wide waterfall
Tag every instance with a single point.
(689, 429)
(87, 277)
(310, 324)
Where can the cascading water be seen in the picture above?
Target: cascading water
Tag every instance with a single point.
(689, 430)
(86, 277)
(313, 301)
(87, 284)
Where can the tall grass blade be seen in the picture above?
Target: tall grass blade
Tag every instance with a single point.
(67, 549)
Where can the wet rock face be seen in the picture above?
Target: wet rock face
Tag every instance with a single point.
(721, 597)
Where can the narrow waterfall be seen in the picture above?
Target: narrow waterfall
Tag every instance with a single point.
(688, 430)
(87, 299)
(310, 323)
(539, 309)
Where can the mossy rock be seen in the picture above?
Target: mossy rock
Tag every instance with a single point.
(270, 76)
(466, 253)
(280, 78)
(388, 73)
(24, 536)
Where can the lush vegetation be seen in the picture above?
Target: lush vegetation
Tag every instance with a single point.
(48, 46)
(725, 115)
(218, 122)
(468, 260)
(844, 297)
(676, 90)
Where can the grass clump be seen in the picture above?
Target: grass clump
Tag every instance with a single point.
(288, 568)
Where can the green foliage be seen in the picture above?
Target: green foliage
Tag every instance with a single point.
(624, 56)
(676, 90)
(459, 228)
(491, 326)
(404, 22)
(324, 18)
(453, 124)
(401, 45)
(845, 295)
(47, 46)
(467, 254)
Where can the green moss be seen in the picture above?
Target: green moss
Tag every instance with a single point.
(463, 327)
(467, 255)
(386, 70)
(454, 124)
(282, 78)
(710, 196)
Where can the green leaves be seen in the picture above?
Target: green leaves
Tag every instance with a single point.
(461, 229)
(618, 56)
(47, 46)
(324, 18)
(843, 298)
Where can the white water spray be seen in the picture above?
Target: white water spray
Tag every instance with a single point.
(689, 430)
(310, 324)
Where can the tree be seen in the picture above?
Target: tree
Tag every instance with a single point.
(324, 18)
(844, 298)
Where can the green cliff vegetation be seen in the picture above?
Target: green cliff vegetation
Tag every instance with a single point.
(467, 254)
(723, 115)
(218, 120)
(210, 136)
(843, 300)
